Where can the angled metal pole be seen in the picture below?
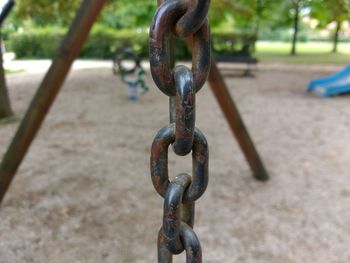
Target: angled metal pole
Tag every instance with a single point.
(48, 90)
(233, 117)
(6, 112)
(6, 9)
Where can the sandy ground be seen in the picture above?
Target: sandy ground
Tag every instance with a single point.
(84, 194)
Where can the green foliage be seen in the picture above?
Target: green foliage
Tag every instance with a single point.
(117, 13)
(309, 53)
(237, 15)
(36, 43)
(327, 11)
(124, 23)
(44, 12)
(128, 14)
(104, 42)
(229, 42)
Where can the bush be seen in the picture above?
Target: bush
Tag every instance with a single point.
(104, 42)
(229, 42)
(37, 43)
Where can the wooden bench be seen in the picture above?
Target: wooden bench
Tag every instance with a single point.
(239, 58)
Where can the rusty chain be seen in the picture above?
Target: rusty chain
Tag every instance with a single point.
(186, 19)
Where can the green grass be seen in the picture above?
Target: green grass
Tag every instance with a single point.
(7, 71)
(10, 120)
(307, 53)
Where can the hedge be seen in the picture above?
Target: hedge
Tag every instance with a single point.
(104, 42)
(36, 43)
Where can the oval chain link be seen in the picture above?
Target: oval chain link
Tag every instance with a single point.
(163, 22)
(184, 18)
(193, 19)
(172, 216)
(185, 110)
(159, 163)
(191, 245)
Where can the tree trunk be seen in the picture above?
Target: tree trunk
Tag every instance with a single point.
(5, 106)
(257, 23)
(296, 28)
(336, 37)
(255, 36)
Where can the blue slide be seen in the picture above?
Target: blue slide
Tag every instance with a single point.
(338, 83)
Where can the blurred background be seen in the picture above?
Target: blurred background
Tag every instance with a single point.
(271, 30)
(84, 192)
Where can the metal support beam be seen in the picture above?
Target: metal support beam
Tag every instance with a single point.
(53, 81)
(48, 90)
(233, 117)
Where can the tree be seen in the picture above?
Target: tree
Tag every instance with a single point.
(128, 14)
(296, 6)
(43, 12)
(266, 11)
(117, 13)
(289, 14)
(5, 106)
(328, 11)
(250, 16)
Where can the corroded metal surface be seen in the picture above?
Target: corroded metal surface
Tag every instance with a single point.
(180, 84)
(159, 163)
(234, 119)
(190, 243)
(172, 214)
(193, 19)
(185, 111)
(162, 25)
(48, 90)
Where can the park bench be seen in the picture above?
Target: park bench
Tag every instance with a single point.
(239, 58)
(239, 51)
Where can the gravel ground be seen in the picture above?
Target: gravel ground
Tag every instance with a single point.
(84, 194)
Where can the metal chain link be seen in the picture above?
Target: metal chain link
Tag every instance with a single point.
(185, 18)
(161, 28)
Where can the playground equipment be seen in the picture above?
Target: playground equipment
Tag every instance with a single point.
(6, 113)
(181, 85)
(338, 83)
(5, 10)
(134, 76)
(52, 82)
(190, 22)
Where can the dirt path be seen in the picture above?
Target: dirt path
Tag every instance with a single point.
(84, 193)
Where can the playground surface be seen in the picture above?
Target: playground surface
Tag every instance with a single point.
(84, 193)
